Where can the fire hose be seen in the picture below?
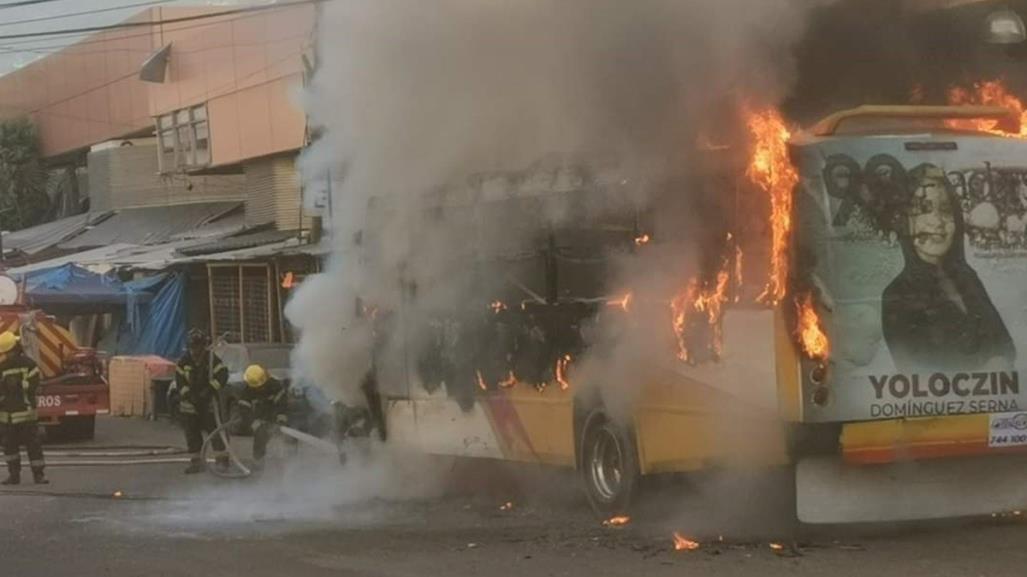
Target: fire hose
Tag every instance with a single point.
(221, 431)
(215, 468)
(240, 470)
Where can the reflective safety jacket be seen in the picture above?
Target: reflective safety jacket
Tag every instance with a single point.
(267, 403)
(19, 382)
(198, 380)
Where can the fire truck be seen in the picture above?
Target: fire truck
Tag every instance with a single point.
(73, 388)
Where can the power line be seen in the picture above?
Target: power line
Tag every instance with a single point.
(24, 3)
(85, 12)
(12, 46)
(57, 48)
(216, 92)
(122, 25)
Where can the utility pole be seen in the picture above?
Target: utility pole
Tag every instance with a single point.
(329, 193)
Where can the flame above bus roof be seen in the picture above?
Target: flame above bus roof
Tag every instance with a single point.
(1006, 119)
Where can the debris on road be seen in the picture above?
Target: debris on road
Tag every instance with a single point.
(682, 543)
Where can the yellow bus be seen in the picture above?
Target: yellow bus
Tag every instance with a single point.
(880, 362)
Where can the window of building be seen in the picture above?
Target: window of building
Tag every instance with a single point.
(240, 302)
(183, 139)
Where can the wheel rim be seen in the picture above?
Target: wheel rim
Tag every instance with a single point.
(606, 465)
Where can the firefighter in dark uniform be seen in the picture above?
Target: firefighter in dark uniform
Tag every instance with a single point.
(200, 375)
(19, 423)
(266, 402)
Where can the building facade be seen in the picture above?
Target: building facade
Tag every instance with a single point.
(185, 112)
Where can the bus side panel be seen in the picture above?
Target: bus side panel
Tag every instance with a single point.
(687, 427)
(721, 413)
(518, 423)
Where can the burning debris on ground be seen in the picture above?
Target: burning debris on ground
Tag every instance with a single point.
(618, 521)
(682, 543)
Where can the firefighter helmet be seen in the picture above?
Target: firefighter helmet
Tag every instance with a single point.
(197, 338)
(255, 376)
(8, 341)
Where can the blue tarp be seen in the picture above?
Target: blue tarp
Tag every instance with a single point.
(71, 286)
(156, 327)
(150, 312)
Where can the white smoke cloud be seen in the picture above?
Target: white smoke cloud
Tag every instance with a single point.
(411, 97)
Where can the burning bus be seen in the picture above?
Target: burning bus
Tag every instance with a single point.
(854, 314)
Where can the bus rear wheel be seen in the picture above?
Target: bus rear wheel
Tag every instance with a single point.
(609, 467)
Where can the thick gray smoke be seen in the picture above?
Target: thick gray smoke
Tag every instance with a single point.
(412, 99)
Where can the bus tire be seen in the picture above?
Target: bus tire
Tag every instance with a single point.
(609, 466)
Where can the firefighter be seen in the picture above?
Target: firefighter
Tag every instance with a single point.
(199, 377)
(19, 424)
(266, 402)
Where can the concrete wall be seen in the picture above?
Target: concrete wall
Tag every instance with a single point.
(245, 66)
(273, 193)
(86, 93)
(127, 177)
(248, 69)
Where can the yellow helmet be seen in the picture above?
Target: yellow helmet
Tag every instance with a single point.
(8, 341)
(255, 376)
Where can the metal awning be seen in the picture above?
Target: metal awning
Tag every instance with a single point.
(290, 247)
(36, 239)
(155, 225)
(240, 242)
(162, 256)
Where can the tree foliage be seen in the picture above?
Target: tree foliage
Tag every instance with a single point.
(23, 198)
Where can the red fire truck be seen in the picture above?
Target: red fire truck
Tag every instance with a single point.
(74, 387)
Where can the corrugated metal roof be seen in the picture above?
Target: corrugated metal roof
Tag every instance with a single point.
(103, 259)
(289, 247)
(151, 225)
(240, 242)
(38, 238)
(162, 256)
(79, 258)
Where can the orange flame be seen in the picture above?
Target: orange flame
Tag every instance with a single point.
(642, 240)
(987, 93)
(777, 547)
(288, 281)
(508, 506)
(682, 543)
(623, 302)
(707, 303)
(771, 169)
(618, 521)
(739, 256)
(497, 306)
(481, 381)
(812, 337)
(510, 381)
(561, 372)
(680, 307)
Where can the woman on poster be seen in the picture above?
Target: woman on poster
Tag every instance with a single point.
(936, 314)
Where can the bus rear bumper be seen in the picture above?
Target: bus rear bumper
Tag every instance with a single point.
(830, 490)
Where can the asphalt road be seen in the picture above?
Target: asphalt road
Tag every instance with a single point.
(401, 516)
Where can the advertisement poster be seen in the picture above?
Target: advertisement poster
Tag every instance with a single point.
(917, 250)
